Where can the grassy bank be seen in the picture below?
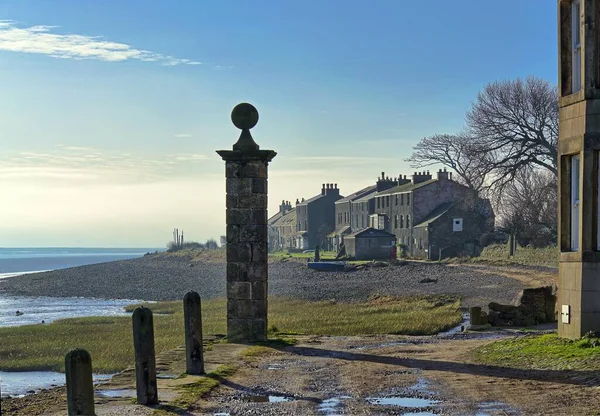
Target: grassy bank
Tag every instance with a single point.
(529, 256)
(545, 352)
(109, 339)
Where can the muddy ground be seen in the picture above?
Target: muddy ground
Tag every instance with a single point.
(391, 375)
(369, 375)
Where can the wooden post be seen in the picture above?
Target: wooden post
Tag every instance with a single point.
(80, 386)
(192, 315)
(145, 360)
(511, 245)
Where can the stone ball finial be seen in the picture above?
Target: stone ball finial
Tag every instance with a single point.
(244, 116)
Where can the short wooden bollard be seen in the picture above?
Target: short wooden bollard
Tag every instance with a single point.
(192, 315)
(475, 315)
(145, 360)
(80, 386)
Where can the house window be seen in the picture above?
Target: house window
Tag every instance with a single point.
(387, 201)
(362, 221)
(407, 199)
(457, 224)
(401, 221)
(401, 199)
(408, 221)
(378, 202)
(396, 199)
(396, 221)
(576, 45)
(575, 202)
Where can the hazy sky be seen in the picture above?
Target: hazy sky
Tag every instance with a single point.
(111, 111)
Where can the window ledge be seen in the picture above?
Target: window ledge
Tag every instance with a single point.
(571, 98)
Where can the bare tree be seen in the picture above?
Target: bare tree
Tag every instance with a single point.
(528, 206)
(458, 152)
(515, 125)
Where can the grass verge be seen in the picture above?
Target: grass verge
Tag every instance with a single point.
(528, 256)
(109, 339)
(542, 352)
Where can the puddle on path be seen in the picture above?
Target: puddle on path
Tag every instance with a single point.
(275, 367)
(117, 393)
(402, 401)
(269, 399)
(330, 406)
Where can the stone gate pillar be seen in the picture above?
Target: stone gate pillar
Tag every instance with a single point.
(247, 254)
(578, 165)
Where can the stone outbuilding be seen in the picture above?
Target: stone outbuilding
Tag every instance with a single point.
(369, 244)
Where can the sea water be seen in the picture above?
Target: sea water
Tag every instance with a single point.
(35, 310)
(14, 261)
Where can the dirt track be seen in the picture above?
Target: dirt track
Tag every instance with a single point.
(424, 376)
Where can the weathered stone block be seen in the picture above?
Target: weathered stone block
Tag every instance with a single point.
(239, 290)
(239, 308)
(259, 217)
(259, 186)
(259, 252)
(231, 201)
(238, 330)
(254, 169)
(259, 309)
(233, 233)
(259, 290)
(258, 329)
(239, 185)
(246, 271)
(238, 216)
(253, 233)
(256, 201)
(239, 252)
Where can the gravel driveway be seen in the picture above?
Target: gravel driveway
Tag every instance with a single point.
(169, 278)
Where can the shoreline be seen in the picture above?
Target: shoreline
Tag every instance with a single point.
(164, 277)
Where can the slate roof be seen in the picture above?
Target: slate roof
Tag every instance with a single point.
(358, 194)
(435, 214)
(371, 232)
(288, 219)
(407, 187)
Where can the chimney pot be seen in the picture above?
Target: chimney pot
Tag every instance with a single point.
(382, 175)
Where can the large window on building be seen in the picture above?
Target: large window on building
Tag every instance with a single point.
(575, 184)
(396, 221)
(576, 46)
(407, 199)
(408, 221)
(401, 221)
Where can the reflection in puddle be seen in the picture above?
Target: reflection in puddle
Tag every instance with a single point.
(402, 401)
(117, 393)
(329, 406)
(275, 367)
(269, 399)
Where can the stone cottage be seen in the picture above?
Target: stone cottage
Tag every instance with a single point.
(316, 218)
(430, 216)
(282, 227)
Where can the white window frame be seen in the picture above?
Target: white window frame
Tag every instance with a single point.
(455, 226)
(575, 201)
(575, 46)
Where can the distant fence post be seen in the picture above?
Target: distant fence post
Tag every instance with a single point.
(511, 245)
(145, 360)
(80, 386)
(192, 315)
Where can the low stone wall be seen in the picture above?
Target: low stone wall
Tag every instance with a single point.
(534, 306)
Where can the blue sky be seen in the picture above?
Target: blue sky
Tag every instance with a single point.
(110, 111)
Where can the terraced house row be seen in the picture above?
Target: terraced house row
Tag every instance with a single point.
(426, 217)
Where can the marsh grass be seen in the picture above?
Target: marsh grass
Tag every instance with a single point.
(529, 256)
(545, 352)
(109, 339)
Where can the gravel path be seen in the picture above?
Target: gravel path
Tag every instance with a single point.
(169, 278)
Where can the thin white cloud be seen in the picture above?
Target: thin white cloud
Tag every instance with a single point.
(183, 135)
(41, 39)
